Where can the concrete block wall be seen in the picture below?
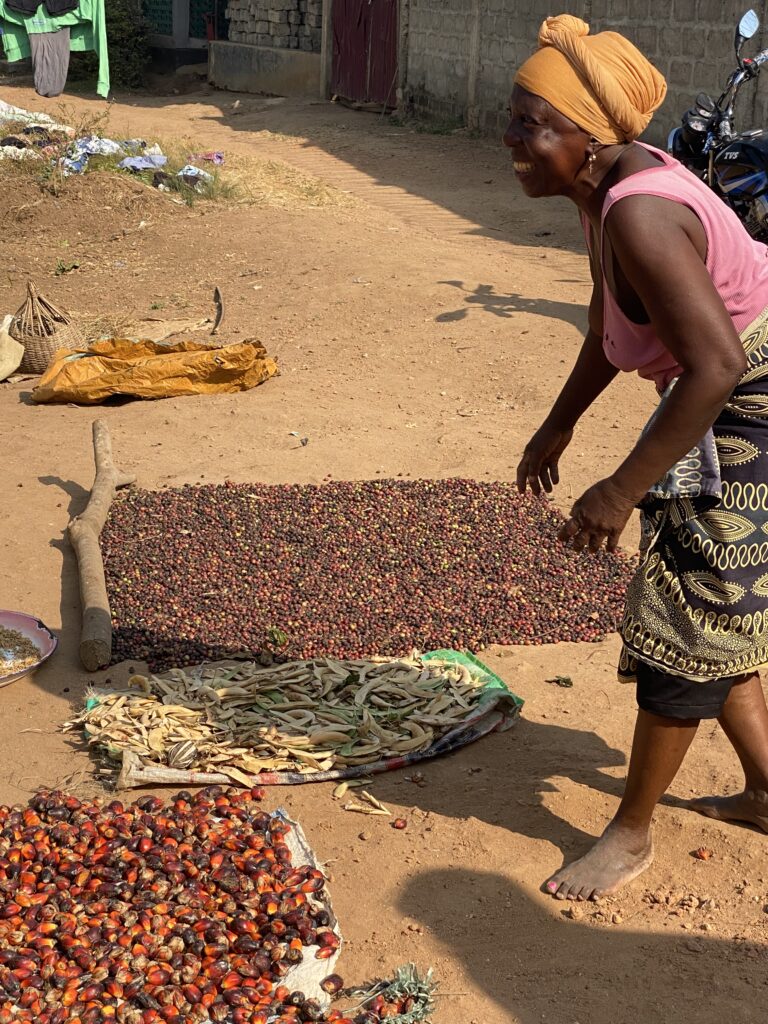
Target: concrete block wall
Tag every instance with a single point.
(438, 67)
(508, 32)
(460, 55)
(285, 24)
(691, 43)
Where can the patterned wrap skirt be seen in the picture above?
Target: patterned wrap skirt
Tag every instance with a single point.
(697, 606)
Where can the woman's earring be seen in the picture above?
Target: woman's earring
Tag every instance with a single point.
(592, 156)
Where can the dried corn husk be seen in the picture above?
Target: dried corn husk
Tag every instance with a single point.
(305, 716)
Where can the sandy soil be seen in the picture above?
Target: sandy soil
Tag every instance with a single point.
(422, 327)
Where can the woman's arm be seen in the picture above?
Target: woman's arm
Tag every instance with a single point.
(657, 245)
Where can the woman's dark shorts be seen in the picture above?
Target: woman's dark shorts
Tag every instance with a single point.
(674, 697)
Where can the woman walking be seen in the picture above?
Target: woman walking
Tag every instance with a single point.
(680, 296)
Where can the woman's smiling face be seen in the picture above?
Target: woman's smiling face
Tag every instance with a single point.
(548, 150)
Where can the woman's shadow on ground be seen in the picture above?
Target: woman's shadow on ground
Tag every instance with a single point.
(484, 298)
(504, 778)
(536, 964)
(501, 780)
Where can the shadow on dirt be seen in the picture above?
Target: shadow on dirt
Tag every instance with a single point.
(539, 965)
(54, 675)
(77, 494)
(464, 785)
(484, 298)
(535, 755)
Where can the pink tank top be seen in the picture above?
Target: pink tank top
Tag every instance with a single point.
(737, 264)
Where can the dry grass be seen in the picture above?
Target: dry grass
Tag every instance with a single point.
(248, 181)
(273, 183)
(95, 326)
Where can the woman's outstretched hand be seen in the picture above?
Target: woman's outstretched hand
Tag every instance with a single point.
(598, 517)
(538, 466)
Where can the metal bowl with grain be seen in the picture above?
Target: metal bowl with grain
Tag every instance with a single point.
(18, 659)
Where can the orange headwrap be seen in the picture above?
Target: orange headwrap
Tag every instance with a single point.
(602, 83)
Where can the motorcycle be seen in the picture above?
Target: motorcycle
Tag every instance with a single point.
(733, 164)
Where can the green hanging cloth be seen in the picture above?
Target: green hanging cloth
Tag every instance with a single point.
(88, 31)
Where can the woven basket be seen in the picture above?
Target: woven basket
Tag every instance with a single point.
(43, 329)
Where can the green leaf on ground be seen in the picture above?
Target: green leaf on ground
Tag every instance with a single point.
(565, 681)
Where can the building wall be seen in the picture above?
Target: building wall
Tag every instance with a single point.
(460, 55)
(284, 24)
(437, 54)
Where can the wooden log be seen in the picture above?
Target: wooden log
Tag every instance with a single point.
(83, 533)
(135, 774)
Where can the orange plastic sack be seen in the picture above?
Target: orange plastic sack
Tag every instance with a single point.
(149, 369)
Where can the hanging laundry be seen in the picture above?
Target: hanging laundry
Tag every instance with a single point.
(52, 6)
(50, 61)
(87, 29)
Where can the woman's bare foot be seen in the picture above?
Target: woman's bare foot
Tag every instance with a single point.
(751, 806)
(620, 855)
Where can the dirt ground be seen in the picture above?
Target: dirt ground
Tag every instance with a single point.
(423, 323)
